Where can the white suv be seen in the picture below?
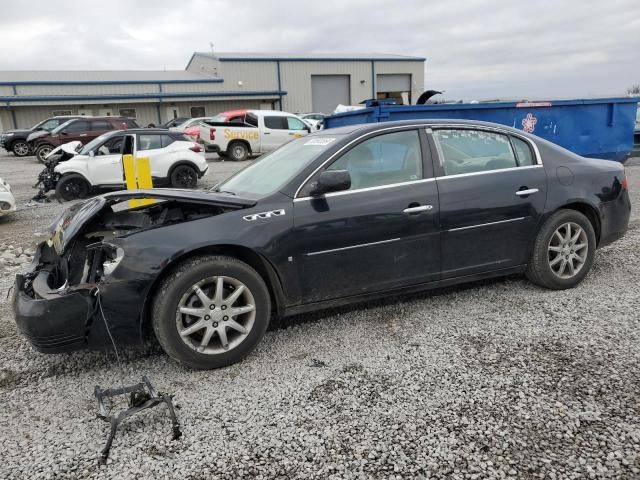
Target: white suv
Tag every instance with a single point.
(175, 161)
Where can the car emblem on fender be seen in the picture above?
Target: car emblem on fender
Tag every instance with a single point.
(256, 216)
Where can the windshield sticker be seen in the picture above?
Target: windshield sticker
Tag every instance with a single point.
(319, 141)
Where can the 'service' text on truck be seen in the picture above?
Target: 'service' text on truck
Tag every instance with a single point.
(254, 133)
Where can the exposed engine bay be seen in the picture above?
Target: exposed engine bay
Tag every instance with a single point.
(91, 256)
(48, 177)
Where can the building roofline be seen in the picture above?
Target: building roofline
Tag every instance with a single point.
(146, 96)
(310, 58)
(109, 82)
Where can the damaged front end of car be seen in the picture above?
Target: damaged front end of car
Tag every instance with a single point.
(56, 301)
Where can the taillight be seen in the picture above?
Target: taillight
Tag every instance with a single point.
(625, 183)
(212, 134)
(196, 148)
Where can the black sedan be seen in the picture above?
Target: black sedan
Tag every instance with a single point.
(332, 218)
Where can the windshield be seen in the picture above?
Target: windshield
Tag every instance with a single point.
(95, 143)
(276, 169)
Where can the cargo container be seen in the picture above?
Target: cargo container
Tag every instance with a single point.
(597, 127)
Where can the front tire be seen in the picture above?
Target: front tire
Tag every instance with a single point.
(42, 151)
(563, 251)
(238, 151)
(20, 148)
(211, 312)
(72, 187)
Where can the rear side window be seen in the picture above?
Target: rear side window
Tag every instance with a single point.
(130, 123)
(101, 125)
(77, 126)
(471, 151)
(276, 123)
(150, 142)
(167, 140)
(523, 152)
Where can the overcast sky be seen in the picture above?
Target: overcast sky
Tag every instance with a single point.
(474, 48)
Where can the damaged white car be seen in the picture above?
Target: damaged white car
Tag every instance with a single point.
(7, 200)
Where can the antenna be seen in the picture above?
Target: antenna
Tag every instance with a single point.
(211, 47)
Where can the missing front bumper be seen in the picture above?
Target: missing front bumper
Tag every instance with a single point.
(52, 322)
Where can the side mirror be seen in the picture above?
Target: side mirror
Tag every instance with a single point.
(92, 153)
(331, 181)
(63, 133)
(307, 128)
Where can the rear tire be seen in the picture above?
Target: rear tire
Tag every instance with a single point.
(237, 151)
(198, 340)
(184, 176)
(42, 151)
(72, 187)
(563, 251)
(20, 148)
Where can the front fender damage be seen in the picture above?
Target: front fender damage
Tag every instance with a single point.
(55, 303)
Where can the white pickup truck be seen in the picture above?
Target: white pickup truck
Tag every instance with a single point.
(252, 132)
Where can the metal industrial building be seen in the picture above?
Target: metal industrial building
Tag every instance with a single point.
(211, 83)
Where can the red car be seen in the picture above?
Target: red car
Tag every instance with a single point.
(83, 129)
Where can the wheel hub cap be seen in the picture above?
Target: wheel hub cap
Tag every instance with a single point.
(567, 250)
(201, 322)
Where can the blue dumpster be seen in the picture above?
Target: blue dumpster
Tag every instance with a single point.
(599, 128)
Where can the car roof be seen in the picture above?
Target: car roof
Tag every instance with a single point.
(146, 130)
(274, 113)
(372, 127)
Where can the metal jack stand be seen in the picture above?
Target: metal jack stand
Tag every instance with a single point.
(143, 396)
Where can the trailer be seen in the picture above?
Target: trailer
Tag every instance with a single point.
(597, 127)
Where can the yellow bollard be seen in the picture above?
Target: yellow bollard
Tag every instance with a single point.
(143, 170)
(137, 174)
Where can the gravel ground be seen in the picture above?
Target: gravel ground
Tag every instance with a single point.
(497, 379)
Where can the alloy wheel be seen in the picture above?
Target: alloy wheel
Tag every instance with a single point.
(43, 152)
(186, 178)
(568, 250)
(21, 149)
(215, 315)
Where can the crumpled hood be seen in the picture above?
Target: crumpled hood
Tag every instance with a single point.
(69, 224)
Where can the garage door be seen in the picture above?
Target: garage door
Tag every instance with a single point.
(393, 82)
(327, 91)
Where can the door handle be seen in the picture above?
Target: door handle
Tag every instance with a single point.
(527, 192)
(266, 133)
(83, 134)
(418, 209)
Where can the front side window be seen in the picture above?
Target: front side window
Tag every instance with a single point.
(111, 147)
(470, 151)
(150, 142)
(383, 160)
(295, 124)
(274, 170)
(49, 124)
(77, 126)
(276, 123)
